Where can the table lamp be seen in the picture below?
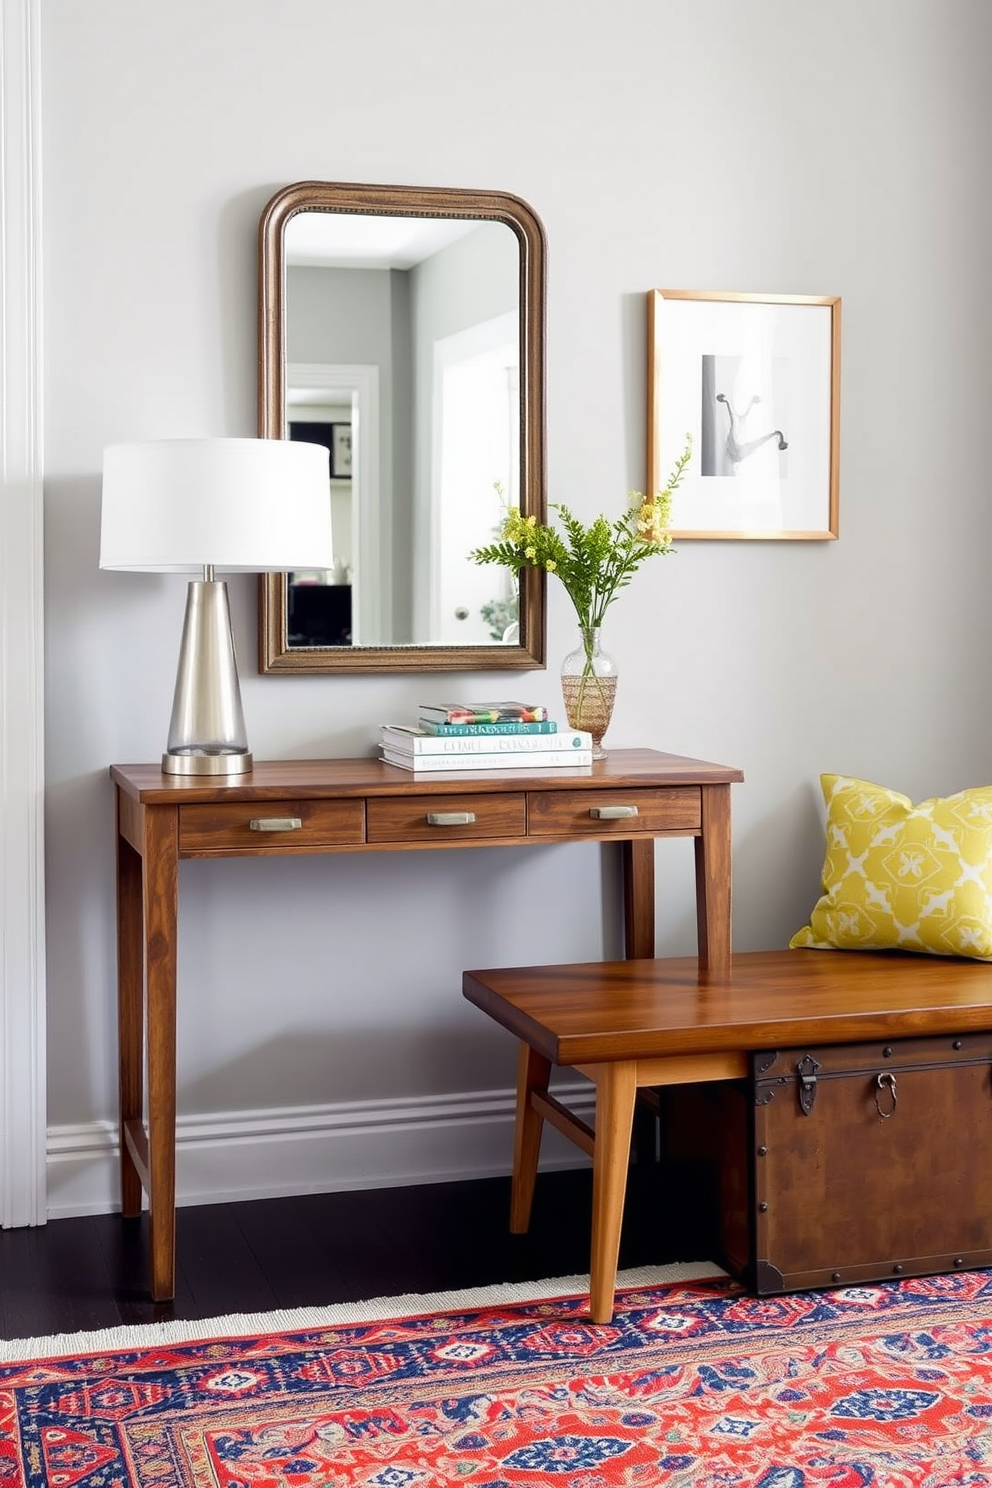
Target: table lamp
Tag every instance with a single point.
(239, 505)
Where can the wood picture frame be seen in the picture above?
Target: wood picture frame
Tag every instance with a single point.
(755, 380)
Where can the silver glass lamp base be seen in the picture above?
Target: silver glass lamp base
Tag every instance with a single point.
(207, 764)
(207, 733)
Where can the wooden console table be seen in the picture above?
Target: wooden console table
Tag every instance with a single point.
(361, 805)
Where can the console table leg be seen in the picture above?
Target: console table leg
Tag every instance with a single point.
(533, 1074)
(130, 1015)
(616, 1087)
(638, 899)
(713, 864)
(161, 885)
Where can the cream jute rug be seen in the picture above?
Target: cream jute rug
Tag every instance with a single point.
(147, 1335)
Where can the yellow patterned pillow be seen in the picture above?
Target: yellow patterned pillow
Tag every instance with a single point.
(903, 877)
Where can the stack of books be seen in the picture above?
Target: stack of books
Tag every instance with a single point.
(483, 736)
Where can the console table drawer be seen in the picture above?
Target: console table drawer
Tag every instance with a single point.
(441, 819)
(279, 826)
(568, 813)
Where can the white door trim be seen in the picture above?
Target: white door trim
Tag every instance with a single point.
(22, 929)
(372, 593)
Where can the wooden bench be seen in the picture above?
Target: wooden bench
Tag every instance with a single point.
(631, 1024)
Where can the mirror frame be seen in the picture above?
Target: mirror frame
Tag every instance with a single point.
(274, 652)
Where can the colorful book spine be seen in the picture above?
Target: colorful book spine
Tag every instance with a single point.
(413, 741)
(484, 712)
(548, 760)
(472, 730)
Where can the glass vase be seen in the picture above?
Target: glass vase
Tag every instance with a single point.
(589, 687)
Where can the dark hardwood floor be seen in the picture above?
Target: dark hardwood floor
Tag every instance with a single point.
(318, 1249)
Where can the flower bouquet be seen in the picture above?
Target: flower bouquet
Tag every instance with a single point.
(593, 563)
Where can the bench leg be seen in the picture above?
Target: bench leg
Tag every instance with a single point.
(616, 1088)
(533, 1074)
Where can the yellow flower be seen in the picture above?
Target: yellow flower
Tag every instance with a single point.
(592, 562)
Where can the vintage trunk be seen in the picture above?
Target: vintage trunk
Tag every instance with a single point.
(858, 1162)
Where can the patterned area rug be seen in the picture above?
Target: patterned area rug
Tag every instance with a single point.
(693, 1383)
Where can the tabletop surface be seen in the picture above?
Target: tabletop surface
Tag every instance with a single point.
(271, 779)
(771, 999)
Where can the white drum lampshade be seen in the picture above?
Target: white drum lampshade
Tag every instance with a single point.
(198, 505)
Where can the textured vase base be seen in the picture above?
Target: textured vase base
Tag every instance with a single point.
(589, 705)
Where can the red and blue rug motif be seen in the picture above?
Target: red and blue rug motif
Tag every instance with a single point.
(693, 1383)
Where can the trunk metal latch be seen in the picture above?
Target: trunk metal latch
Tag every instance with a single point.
(806, 1070)
(886, 1081)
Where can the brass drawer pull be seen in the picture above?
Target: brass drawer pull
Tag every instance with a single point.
(276, 824)
(450, 818)
(612, 813)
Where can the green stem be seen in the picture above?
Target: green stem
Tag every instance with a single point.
(588, 673)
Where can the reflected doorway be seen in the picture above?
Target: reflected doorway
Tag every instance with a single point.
(474, 479)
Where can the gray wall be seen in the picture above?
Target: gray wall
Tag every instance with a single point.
(752, 145)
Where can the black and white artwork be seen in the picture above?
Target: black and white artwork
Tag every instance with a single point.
(754, 380)
(742, 417)
(341, 468)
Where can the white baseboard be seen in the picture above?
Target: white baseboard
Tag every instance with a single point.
(232, 1155)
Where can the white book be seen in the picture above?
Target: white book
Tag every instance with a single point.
(412, 740)
(547, 760)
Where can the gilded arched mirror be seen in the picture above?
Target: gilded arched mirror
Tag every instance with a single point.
(404, 328)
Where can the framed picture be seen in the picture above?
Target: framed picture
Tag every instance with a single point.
(341, 452)
(755, 380)
(335, 438)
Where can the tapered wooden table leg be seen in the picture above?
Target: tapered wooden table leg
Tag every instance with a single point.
(713, 864)
(533, 1074)
(616, 1086)
(638, 898)
(130, 1016)
(161, 895)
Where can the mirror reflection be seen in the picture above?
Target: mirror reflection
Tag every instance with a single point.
(409, 343)
(429, 311)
